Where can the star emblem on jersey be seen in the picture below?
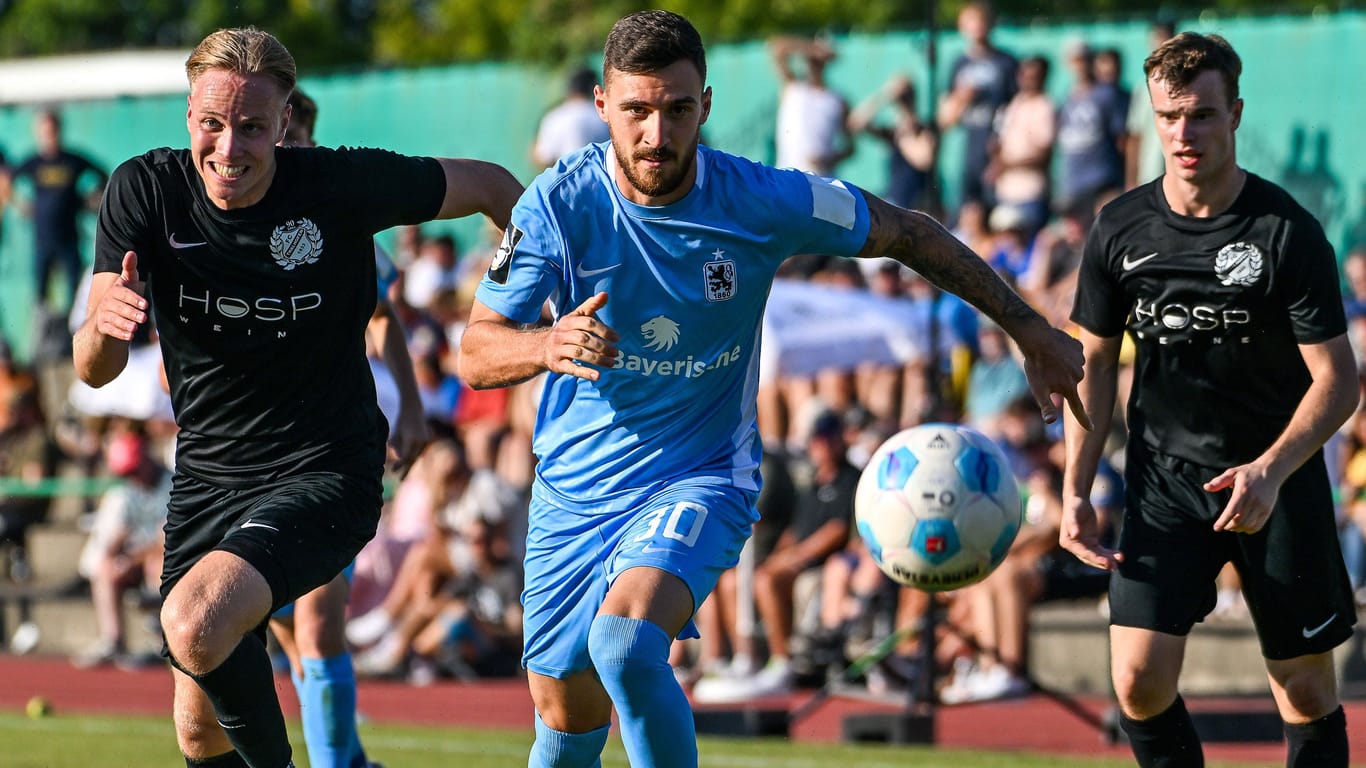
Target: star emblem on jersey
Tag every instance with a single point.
(661, 333)
(719, 277)
(296, 242)
(1238, 264)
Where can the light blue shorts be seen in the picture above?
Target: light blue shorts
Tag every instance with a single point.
(692, 531)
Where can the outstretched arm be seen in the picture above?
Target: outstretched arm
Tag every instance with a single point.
(1052, 359)
(497, 352)
(474, 186)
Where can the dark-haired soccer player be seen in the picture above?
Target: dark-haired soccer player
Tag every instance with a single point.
(1243, 370)
(259, 264)
(657, 255)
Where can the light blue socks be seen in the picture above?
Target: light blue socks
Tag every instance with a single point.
(327, 704)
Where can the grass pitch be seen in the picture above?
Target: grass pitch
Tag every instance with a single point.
(88, 741)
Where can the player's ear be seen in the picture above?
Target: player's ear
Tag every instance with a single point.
(1237, 112)
(600, 100)
(284, 122)
(706, 105)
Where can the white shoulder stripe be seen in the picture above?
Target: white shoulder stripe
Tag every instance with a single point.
(832, 201)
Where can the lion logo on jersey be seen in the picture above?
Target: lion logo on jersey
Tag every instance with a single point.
(661, 333)
(296, 242)
(1238, 264)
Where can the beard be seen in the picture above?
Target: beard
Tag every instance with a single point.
(656, 182)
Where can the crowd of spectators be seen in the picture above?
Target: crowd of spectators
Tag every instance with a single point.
(436, 592)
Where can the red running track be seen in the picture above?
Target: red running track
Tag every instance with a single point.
(1034, 723)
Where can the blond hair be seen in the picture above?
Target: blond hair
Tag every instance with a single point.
(243, 51)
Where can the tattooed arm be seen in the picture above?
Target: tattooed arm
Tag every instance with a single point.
(1052, 359)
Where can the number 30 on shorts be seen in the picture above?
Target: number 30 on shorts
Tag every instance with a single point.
(684, 523)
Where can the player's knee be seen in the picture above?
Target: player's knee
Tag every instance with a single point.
(627, 652)
(1308, 692)
(1140, 695)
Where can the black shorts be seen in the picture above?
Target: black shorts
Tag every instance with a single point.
(1292, 570)
(298, 533)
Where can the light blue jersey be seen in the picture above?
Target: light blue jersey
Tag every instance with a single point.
(686, 286)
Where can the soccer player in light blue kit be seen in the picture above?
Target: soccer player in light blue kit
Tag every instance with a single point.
(656, 256)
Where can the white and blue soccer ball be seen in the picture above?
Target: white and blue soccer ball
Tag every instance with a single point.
(938, 507)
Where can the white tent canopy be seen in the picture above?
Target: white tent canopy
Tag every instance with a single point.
(105, 75)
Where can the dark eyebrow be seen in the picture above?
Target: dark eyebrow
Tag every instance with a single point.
(685, 100)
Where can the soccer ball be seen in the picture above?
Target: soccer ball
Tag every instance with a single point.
(938, 507)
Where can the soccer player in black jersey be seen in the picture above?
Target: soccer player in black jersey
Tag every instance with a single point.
(1230, 293)
(259, 264)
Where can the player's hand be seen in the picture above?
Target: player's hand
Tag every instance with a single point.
(122, 308)
(580, 344)
(1254, 497)
(410, 436)
(1080, 535)
(1053, 364)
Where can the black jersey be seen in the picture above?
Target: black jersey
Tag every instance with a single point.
(262, 310)
(1217, 308)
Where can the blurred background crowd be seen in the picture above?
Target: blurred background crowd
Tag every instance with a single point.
(854, 351)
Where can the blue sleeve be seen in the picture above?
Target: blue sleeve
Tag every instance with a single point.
(819, 215)
(529, 264)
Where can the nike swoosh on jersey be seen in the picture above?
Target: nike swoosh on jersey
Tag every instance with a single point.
(1308, 633)
(254, 524)
(178, 245)
(586, 273)
(1129, 263)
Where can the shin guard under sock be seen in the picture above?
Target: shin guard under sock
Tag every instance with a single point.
(1321, 743)
(557, 749)
(327, 707)
(242, 691)
(1165, 741)
(632, 660)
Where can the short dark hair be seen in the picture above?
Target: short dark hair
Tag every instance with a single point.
(305, 109)
(648, 41)
(1181, 59)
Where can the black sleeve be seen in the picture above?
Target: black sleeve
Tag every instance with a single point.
(392, 189)
(1311, 295)
(125, 212)
(1099, 304)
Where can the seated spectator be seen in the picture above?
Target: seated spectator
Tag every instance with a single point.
(126, 541)
(27, 454)
(995, 618)
(408, 518)
(820, 527)
(419, 591)
(477, 627)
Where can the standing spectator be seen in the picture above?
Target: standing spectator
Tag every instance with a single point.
(571, 124)
(912, 144)
(281, 451)
(1227, 419)
(1022, 154)
(812, 134)
(126, 542)
(1109, 65)
(1090, 135)
(981, 82)
(56, 174)
(1142, 148)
